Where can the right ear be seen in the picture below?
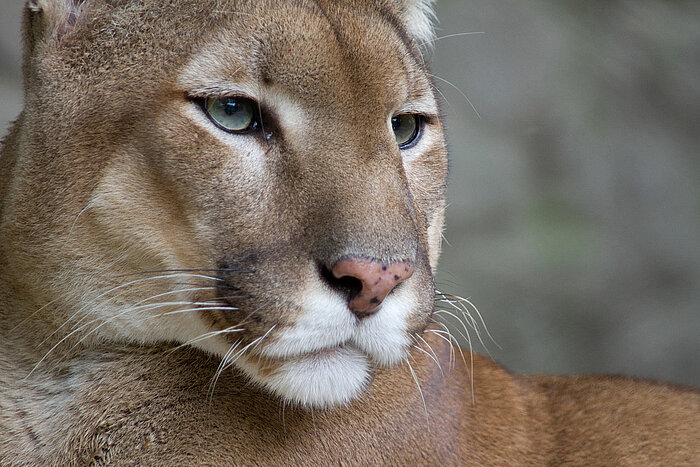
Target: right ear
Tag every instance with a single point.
(48, 19)
(417, 17)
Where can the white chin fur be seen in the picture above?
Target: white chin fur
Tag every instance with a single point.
(319, 380)
(325, 358)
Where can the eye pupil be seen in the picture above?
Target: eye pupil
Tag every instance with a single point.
(231, 107)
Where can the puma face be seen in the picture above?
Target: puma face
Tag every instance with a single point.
(261, 180)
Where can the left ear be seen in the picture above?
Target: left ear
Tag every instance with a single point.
(49, 19)
(417, 17)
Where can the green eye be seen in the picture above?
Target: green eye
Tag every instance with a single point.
(232, 114)
(406, 129)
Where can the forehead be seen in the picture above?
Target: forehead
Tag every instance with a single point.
(340, 52)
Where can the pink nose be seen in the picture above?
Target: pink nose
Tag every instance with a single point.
(377, 279)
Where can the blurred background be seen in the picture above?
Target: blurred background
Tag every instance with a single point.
(574, 215)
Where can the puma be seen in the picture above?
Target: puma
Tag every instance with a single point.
(219, 223)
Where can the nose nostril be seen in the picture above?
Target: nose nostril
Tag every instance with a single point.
(366, 282)
(346, 285)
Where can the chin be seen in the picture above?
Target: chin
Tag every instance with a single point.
(318, 380)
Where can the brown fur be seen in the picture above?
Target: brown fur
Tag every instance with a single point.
(111, 176)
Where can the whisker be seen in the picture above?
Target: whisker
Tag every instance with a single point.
(420, 391)
(464, 305)
(464, 324)
(207, 335)
(203, 307)
(430, 348)
(463, 314)
(446, 330)
(415, 346)
(75, 221)
(266, 334)
(227, 361)
(197, 270)
(114, 289)
(173, 292)
(159, 315)
(220, 369)
(466, 334)
(447, 36)
(112, 318)
(470, 366)
(458, 90)
(34, 313)
(254, 345)
(478, 314)
(438, 332)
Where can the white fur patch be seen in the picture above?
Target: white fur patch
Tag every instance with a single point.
(325, 322)
(325, 358)
(418, 18)
(326, 378)
(383, 336)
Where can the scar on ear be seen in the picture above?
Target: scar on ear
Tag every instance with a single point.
(73, 11)
(63, 14)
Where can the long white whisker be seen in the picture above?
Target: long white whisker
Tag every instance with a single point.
(114, 289)
(254, 345)
(199, 306)
(430, 348)
(463, 313)
(173, 292)
(438, 332)
(420, 391)
(207, 335)
(460, 91)
(108, 320)
(481, 318)
(75, 221)
(464, 305)
(464, 325)
(471, 354)
(34, 314)
(447, 36)
(416, 346)
(266, 334)
(220, 369)
(159, 315)
(240, 353)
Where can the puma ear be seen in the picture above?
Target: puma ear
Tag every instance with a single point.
(47, 19)
(418, 18)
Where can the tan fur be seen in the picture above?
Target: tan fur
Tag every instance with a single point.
(115, 190)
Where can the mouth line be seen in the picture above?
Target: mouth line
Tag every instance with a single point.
(329, 350)
(325, 351)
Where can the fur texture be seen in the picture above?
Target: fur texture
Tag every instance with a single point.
(165, 287)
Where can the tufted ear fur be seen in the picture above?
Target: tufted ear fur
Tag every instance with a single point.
(418, 18)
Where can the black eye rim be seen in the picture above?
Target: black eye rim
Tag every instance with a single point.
(255, 124)
(417, 132)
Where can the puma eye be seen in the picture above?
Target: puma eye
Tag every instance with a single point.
(232, 114)
(406, 129)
